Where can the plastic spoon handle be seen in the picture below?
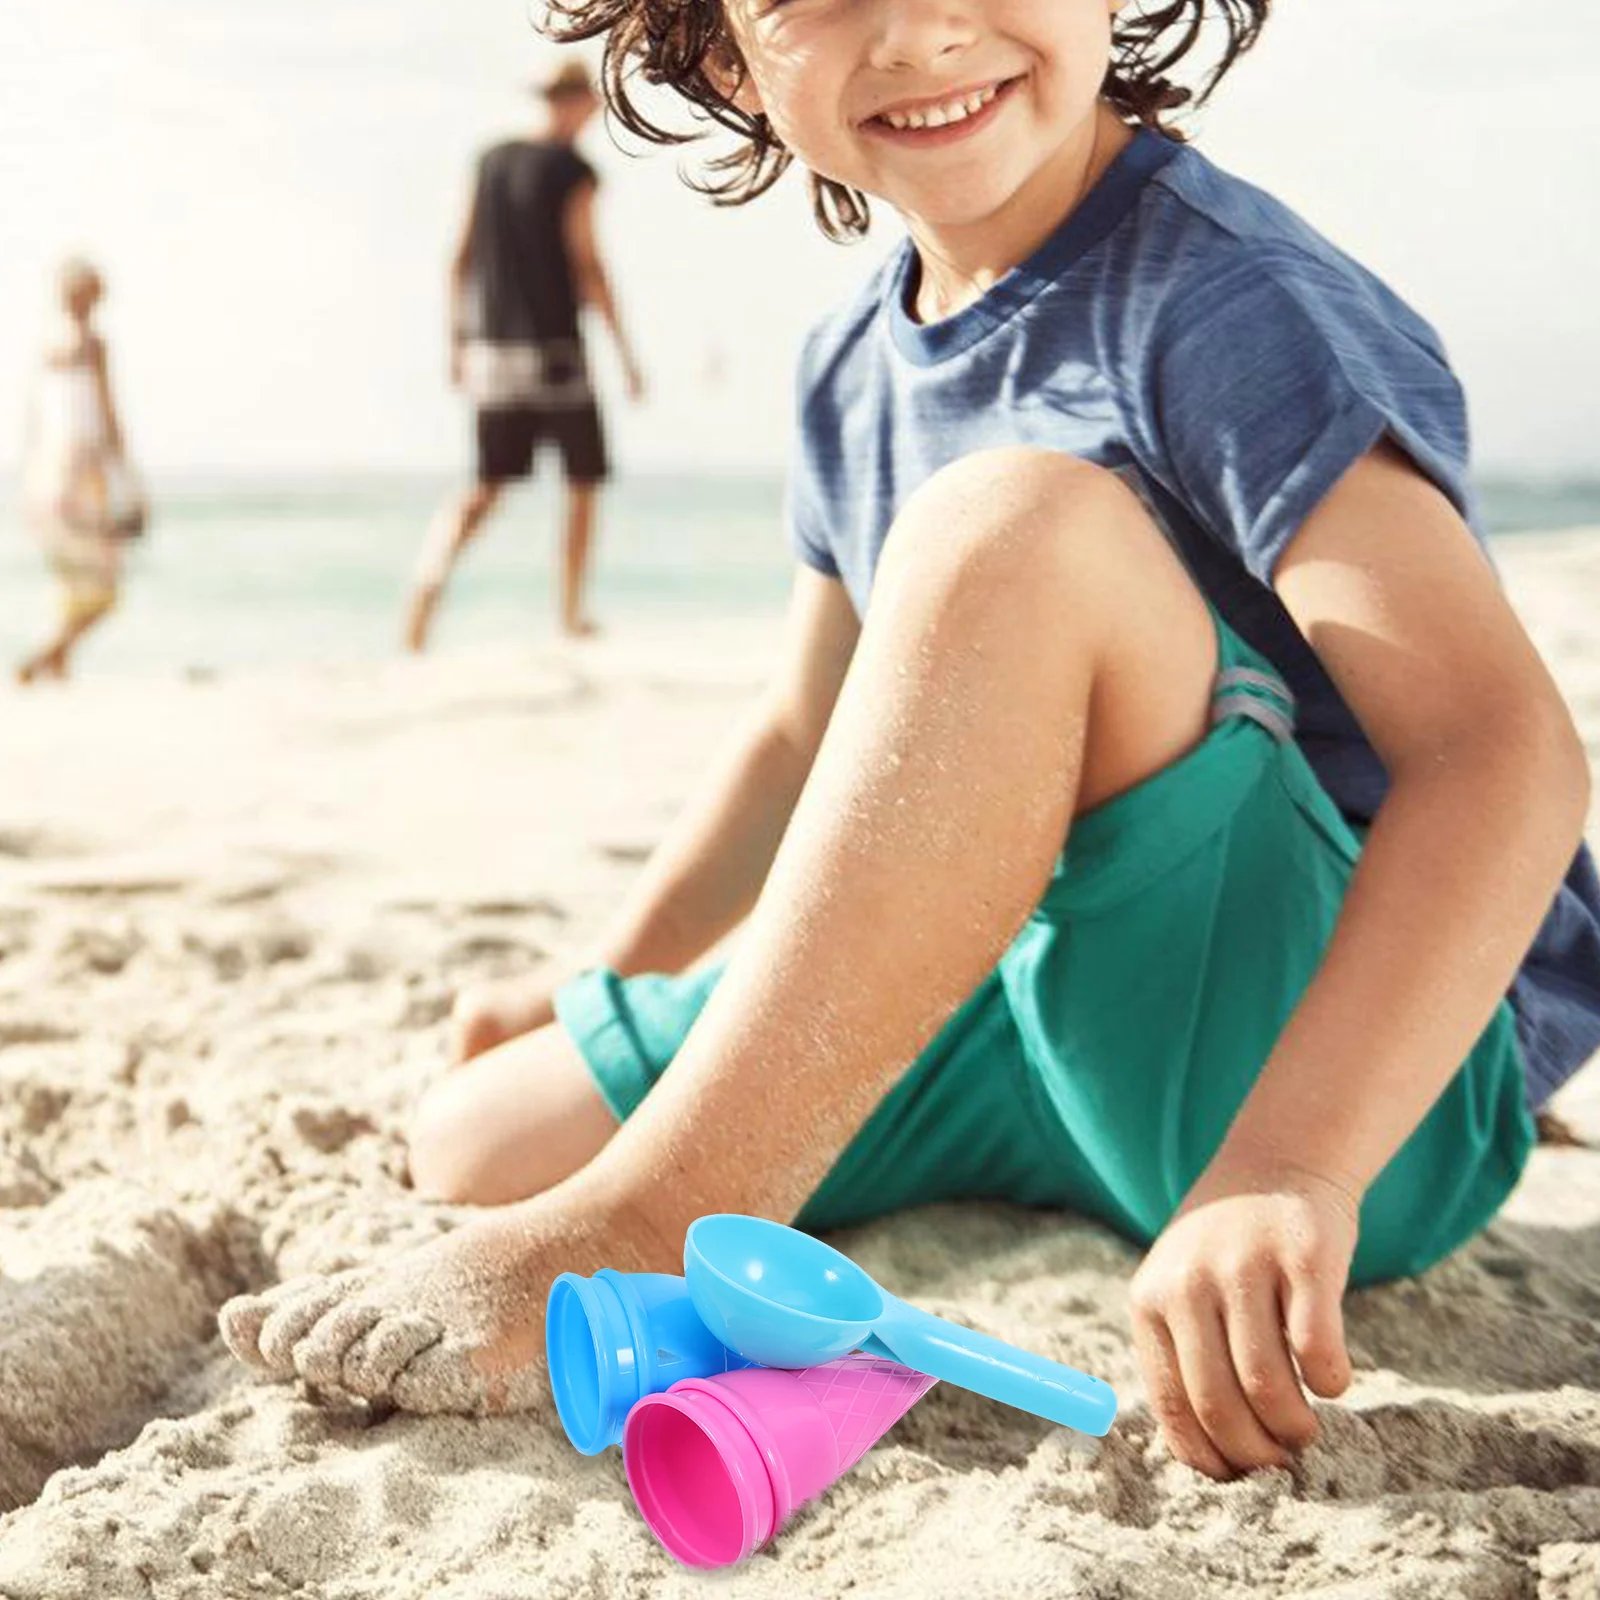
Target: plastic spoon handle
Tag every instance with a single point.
(990, 1367)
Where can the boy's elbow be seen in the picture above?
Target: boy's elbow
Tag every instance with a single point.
(1569, 758)
(1560, 769)
(1578, 753)
(1531, 754)
(1583, 786)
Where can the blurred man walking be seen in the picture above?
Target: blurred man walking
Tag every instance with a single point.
(525, 263)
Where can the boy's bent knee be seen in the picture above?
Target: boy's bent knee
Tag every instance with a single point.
(450, 1152)
(1026, 470)
(509, 1123)
(440, 1154)
(1010, 504)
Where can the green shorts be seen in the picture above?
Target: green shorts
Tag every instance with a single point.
(1099, 1065)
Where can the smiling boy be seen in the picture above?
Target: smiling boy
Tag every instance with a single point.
(1158, 813)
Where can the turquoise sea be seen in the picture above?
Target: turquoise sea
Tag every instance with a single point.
(248, 574)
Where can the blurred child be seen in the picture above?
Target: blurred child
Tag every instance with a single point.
(1158, 811)
(80, 498)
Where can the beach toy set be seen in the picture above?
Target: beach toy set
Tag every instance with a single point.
(749, 1385)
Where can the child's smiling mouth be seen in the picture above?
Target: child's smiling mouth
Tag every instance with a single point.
(942, 122)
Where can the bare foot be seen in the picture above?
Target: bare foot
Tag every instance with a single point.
(579, 628)
(488, 1014)
(456, 1325)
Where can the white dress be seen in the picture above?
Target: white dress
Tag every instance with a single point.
(67, 447)
(68, 480)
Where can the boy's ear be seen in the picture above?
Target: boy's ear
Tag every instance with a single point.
(731, 78)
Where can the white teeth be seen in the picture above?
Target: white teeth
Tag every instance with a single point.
(939, 116)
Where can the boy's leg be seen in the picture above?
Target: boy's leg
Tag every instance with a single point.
(516, 1117)
(520, 1119)
(509, 1123)
(1033, 648)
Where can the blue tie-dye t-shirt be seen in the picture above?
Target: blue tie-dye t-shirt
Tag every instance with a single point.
(1187, 331)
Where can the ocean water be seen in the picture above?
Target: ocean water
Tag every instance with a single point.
(239, 574)
(235, 575)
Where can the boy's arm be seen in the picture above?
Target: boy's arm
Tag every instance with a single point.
(1489, 787)
(708, 871)
(1489, 791)
(589, 276)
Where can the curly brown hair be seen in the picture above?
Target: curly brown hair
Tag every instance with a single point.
(669, 42)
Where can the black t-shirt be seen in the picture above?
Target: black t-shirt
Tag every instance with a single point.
(523, 278)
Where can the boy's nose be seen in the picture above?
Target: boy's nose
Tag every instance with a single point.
(920, 35)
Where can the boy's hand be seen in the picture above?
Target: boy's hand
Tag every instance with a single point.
(1242, 1286)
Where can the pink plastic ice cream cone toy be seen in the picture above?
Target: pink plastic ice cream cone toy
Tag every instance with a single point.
(717, 1464)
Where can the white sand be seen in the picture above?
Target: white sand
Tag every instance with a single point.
(231, 917)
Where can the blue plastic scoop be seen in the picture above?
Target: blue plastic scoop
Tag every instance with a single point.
(783, 1299)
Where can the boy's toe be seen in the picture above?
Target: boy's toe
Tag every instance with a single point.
(242, 1318)
(240, 1322)
(292, 1319)
(319, 1355)
(375, 1357)
(439, 1379)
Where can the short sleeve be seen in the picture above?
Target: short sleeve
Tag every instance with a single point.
(813, 464)
(1265, 386)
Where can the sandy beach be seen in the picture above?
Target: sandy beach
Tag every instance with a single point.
(233, 912)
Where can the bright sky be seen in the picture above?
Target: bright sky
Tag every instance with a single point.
(272, 185)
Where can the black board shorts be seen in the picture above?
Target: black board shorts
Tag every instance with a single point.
(509, 435)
